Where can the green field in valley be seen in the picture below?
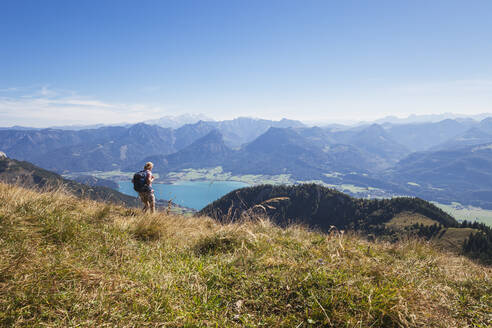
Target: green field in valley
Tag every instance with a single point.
(469, 213)
(217, 174)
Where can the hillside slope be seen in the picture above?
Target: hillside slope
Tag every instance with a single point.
(238, 131)
(277, 151)
(105, 148)
(207, 151)
(423, 136)
(69, 262)
(319, 207)
(31, 176)
(462, 174)
(326, 209)
(476, 134)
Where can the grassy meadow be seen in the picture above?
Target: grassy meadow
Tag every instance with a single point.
(66, 262)
(469, 213)
(217, 174)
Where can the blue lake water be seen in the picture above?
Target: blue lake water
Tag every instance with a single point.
(193, 194)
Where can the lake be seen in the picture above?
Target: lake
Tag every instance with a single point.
(193, 194)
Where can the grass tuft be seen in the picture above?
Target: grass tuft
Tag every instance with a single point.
(217, 244)
(147, 228)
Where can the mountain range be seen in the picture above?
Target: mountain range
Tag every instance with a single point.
(434, 160)
(463, 174)
(115, 147)
(277, 151)
(170, 121)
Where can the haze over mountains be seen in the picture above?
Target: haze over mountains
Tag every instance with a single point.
(448, 160)
(463, 174)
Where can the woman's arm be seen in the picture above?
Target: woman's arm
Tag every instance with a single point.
(150, 178)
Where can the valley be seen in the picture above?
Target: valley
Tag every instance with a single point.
(469, 213)
(445, 162)
(217, 174)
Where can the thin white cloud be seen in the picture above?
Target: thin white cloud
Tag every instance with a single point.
(43, 106)
(49, 107)
(47, 92)
(81, 102)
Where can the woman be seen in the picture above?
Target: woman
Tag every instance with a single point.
(147, 195)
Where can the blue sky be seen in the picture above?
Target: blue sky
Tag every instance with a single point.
(84, 62)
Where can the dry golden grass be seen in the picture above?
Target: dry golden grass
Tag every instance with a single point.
(69, 262)
(453, 238)
(406, 219)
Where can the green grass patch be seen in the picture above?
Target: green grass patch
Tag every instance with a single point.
(407, 219)
(217, 174)
(469, 213)
(453, 238)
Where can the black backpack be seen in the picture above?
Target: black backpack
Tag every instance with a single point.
(140, 181)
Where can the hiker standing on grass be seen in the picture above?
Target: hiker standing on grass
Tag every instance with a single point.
(142, 183)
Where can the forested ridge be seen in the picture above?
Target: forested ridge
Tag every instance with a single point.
(479, 244)
(324, 208)
(319, 207)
